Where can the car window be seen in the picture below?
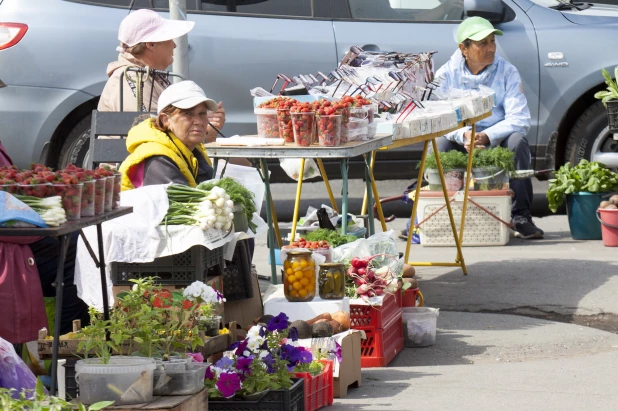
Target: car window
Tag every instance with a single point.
(139, 4)
(299, 8)
(407, 10)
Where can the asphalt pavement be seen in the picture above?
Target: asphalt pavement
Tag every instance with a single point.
(531, 327)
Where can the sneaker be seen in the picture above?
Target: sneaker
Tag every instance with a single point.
(403, 235)
(525, 228)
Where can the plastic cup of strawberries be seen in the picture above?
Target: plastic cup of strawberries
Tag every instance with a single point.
(285, 125)
(117, 187)
(68, 187)
(329, 130)
(303, 124)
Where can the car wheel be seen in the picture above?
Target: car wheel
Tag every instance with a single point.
(590, 138)
(76, 146)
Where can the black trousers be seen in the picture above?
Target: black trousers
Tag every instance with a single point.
(46, 256)
(518, 144)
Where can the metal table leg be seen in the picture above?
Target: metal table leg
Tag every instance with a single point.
(63, 242)
(364, 207)
(103, 275)
(271, 234)
(329, 190)
(344, 196)
(368, 196)
(464, 206)
(376, 195)
(419, 182)
(299, 188)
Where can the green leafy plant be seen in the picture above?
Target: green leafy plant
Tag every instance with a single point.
(93, 338)
(592, 177)
(334, 238)
(238, 193)
(450, 160)
(499, 157)
(611, 92)
(37, 400)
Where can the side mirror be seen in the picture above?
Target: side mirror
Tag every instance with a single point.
(492, 10)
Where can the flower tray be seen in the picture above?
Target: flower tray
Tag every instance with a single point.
(382, 345)
(178, 269)
(275, 400)
(319, 388)
(362, 316)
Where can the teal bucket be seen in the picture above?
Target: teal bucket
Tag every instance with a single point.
(582, 212)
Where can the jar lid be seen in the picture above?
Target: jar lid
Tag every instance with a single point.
(299, 252)
(330, 265)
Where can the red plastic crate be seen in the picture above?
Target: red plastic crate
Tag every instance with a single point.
(362, 316)
(382, 345)
(319, 388)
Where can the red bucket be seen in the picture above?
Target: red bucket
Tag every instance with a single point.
(609, 226)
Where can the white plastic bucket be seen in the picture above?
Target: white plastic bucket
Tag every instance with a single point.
(421, 323)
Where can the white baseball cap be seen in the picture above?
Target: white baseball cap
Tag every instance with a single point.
(148, 26)
(185, 94)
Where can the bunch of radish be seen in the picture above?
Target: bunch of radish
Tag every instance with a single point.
(369, 280)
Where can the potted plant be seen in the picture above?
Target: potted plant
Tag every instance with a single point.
(454, 165)
(491, 168)
(258, 369)
(609, 97)
(584, 186)
(124, 380)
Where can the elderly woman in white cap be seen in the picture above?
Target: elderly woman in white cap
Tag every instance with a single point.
(169, 148)
(147, 40)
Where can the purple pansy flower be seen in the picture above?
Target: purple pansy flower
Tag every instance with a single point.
(241, 348)
(210, 375)
(278, 323)
(270, 363)
(228, 383)
(337, 351)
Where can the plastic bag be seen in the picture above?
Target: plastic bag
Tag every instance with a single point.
(291, 166)
(14, 373)
(358, 129)
(380, 243)
(14, 213)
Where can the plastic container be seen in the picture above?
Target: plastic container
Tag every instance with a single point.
(285, 125)
(412, 297)
(454, 179)
(9, 188)
(117, 188)
(36, 190)
(87, 209)
(71, 199)
(109, 193)
(318, 388)
(582, 215)
(481, 229)
(331, 281)
(491, 178)
(111, 382)
(267, 122)
(345, 118)
(210, 325)
(357, 129)
(329, 130)
(382, 344)
(303, 125)
(609, 226)
(183, 382)
(99, 196)
(299, 276)
(421, 324)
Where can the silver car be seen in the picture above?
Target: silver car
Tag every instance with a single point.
(53, 55)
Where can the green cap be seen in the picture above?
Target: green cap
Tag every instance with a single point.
(475, 28)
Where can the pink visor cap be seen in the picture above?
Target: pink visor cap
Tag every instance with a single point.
(144, 26)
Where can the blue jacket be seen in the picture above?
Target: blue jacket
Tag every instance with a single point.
(510, 113)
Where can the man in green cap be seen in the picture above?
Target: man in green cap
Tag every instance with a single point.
(476, 64)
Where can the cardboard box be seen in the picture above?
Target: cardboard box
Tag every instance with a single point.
(245, 311)
(350, 366)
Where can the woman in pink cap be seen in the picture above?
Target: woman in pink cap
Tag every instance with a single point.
(147, 40)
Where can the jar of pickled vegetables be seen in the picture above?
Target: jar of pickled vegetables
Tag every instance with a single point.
(331, 281)
(299, 276)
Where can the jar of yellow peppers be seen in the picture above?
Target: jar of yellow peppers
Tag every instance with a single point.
(299, 276)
